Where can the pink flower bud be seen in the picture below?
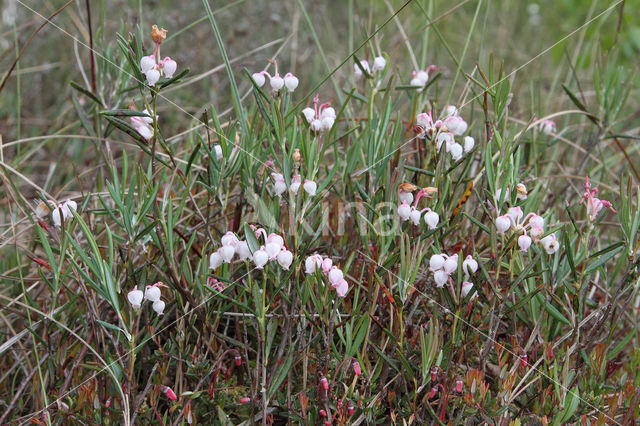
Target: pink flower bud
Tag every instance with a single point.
(327, 263)
(169, 393)
(356, 368)
(350, 408)
(434, 374)
(322, 413)
(244, 400)
(458, 387)
(433, 392)
(238, 360)
(523, 359)
(324, 382)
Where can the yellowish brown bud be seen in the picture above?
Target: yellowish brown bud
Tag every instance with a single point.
(297, 156)
(407, 187)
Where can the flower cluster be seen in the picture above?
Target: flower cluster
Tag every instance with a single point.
(143, 124)
(319, 117)
(379, 64)
(273, 250)
(152, 66)
(420, 78)
(443, 265)
(593, 203)
(230, 246)
(532, 223)
(316, 262)
(289, 81)
(445, 130)
(406, 211)
(280, 186)
(151, 293)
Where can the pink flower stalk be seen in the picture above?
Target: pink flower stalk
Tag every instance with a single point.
(169, 393)
(594, 204)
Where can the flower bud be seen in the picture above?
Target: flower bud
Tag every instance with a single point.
(335, 276)
(342, 288)
(168, 392)
(327, 263)
(238, 360)
(244, 400)
(522, 191)
(433, 392)
(458, 387)
(324, 382)
(466, 289)
(356, 368)
(523, 359)
(434, 374)
(414, 216)
(350, 408)
(322, 413)
(456, 151)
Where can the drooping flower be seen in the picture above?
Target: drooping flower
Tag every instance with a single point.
(295, 184)
(327, 263)
(436, 262)
(321, 117)
(290, 82)
(242, 250)
(469, 143)
(522, 191)
(550, 244)
(258, 78)
(158, 306)
(279, 185)
(524, 241)
(135, 297)
(404, 211)
(169, 67)
(260, 258)
(312, 263)
(285, 258)
(593, 203)
(226, 253)
(405, 192)
(358, 72)
(342, 288)
(469, 265)
(310, 187)
(63, 211)
(215, 260)
(335, 275)
(547, 126)
(431, 218)
(503, 223)
(466, 289)
(379, 64)
(152, 292)
(440, 277)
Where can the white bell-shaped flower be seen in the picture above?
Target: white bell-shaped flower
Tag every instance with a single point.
(147, 63)
(152, 293)
(310, 187)
(215, 260)
(135, 297)
(260, 258)
(258, 78)
(285, 258)
(169, 67)
(158, 306)
(291, 82)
